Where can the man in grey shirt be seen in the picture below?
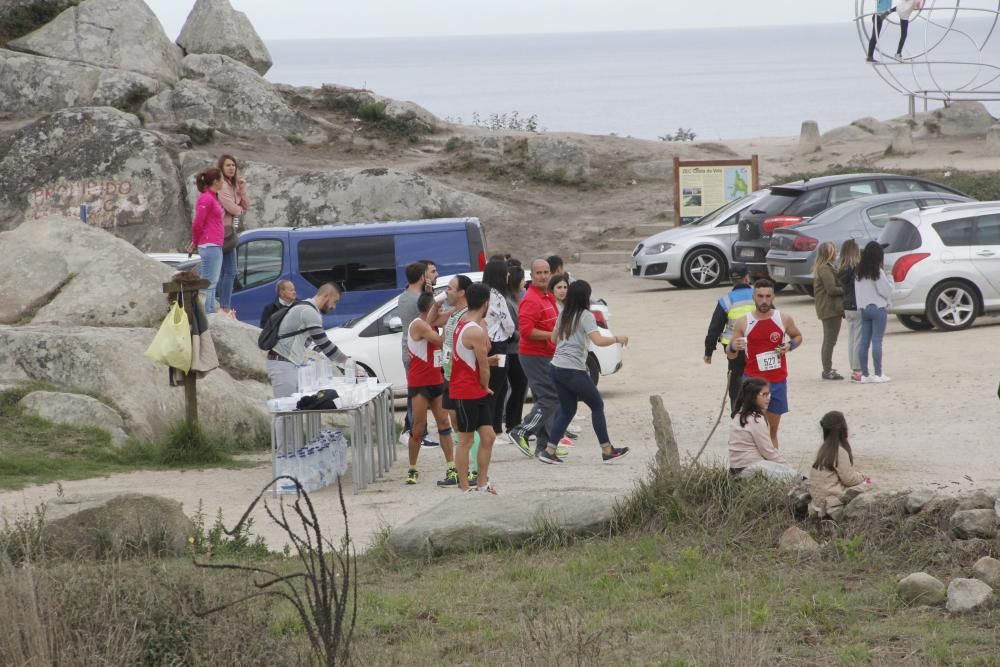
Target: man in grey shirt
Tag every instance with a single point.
(302, 325)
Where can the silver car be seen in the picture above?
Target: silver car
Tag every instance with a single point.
(945, 263)
(696, 255)
(793, 249)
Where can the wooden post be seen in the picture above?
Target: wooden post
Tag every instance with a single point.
(188, 291)
(666, 444)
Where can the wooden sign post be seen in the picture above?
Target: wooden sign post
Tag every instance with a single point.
(187, 290)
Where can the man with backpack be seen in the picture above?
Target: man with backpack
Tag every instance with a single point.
(290, 330)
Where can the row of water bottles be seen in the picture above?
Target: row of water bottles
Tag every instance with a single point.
(316, 465)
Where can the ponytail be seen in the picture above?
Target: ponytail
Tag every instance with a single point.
(204, 179)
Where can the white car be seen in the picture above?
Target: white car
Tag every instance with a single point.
(178, 260)
(376, 341)
(697, 255)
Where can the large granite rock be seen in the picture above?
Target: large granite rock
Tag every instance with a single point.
(980, 523)
(121, 34)
(558, 159)
(968, 595)
(20, 17)
(922, 588)
(75, 274)
(101, 157)
(75, 410)
(33, 85)
(959, 119)
(109, 362)
(987, 570)
(114, 525)
(797, 542)
(229, 96)
(466, 522)
(213, 26)
(302, 197)
(916, 500)
(236, 346)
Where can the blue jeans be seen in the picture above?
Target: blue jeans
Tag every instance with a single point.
(226, 278)
(873, 321)
(573, 386)
(210, 268)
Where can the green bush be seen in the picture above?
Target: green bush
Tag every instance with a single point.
(19, 21)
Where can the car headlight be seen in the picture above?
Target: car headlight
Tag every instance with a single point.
(657, 248)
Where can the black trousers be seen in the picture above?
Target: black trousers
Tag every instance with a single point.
(518, 382)
(736, 367)
(877, 22)
(498, 384)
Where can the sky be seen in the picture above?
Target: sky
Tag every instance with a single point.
(302, 19)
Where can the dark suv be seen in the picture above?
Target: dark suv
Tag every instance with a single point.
(792, 203)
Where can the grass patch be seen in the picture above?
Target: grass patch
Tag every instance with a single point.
(373, 114)
(980, 185)
(36, 451)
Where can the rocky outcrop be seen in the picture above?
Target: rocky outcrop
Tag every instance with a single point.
(229, 96)
(968, 595)
(558, 159)
(100, 157)
(114, 525)
(109, 362)
(78, 275)
(466, 522)
(120, 34)
(300, 197)
(959, 119)
(32, 85)
(20, 17)
(75, 410)
(922, 588)
(213, 26)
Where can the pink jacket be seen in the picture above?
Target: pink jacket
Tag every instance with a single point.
(234, 201)
(207, 225)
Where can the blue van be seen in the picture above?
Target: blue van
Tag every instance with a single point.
(367, 261)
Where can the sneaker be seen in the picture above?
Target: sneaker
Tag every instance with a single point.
(404, 438)
(548, 457)
(412, 475)
(429, 444)
(832, 375)
(472, 489)
(523, 445)
(870, 60)
(572, 431)
(504, 439)
(616, 453)
(487, 489)
(450, 478)
(880, 378)
(856, 377)
(472, 478)
(898, 56)
(868, 379)
(562, 452)
(567, 442)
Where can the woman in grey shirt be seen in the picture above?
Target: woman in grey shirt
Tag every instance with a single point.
(575, 328)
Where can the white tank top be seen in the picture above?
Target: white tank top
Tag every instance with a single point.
(417, 348)
(466, 354)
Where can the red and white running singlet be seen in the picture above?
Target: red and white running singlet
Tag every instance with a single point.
(464, 367)
(425, 361)
(762, 337)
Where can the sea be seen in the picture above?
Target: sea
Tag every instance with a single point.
(717, 83)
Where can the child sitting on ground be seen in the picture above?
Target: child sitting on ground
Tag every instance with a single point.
(750, 447)
(833, 471)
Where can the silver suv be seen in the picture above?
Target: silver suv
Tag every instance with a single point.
(945, 263)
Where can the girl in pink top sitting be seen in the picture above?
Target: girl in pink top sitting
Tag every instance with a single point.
(235, 203)
(207, 233)
(749, 435)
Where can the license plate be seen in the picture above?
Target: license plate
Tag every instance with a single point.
(778, 271)
(748, 252)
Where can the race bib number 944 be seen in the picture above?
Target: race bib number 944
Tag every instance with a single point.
(768, 361)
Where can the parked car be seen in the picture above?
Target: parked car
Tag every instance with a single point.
(792, 203)
(368, 261)
(375, 340)
(945, 263)
(793, 249)
(696, 255)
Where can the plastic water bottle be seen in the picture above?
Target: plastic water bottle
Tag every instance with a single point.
(351, 370)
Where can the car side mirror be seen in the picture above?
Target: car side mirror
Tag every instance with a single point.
(395, 324)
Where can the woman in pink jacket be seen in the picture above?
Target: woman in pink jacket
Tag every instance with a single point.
(207, 233)
(235, 202)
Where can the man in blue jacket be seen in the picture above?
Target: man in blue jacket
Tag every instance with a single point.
(730, 308)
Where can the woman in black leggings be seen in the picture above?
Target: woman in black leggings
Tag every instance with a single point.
(518, 381)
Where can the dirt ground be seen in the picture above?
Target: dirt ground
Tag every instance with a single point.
(935, 424)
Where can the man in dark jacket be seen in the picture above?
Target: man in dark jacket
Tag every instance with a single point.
(728, 309)
(286, 297)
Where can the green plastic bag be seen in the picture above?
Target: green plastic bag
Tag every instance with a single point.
(172, 344)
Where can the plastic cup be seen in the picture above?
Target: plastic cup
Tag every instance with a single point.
(501, 360)
(372, 383)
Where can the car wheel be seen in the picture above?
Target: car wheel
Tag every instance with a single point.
(593, 368)
(703, 268)
(915, 322)
(679, 284)
(952, 306)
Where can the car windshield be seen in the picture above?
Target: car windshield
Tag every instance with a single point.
(774, 202)
(726, 210)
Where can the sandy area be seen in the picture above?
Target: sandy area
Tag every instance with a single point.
(934, 424)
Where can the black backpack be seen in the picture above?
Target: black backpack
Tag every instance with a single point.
(269, 337)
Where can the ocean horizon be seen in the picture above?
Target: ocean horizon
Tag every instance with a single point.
(724, 83)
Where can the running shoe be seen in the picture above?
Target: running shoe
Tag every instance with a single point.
(616, 453)
(832, 375)
(504, 439)
(472, 489)
(552, 458)
(450, 478)
(868, 379)
(473, 478)
(412, 475)
(573, 431)
(856, 377)
(523, 444)
(429, 444)
(562, 452)
(878, 379)
(567, 442)
(487, 489)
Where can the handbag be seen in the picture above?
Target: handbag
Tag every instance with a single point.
(172, 343)
(230, 238)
